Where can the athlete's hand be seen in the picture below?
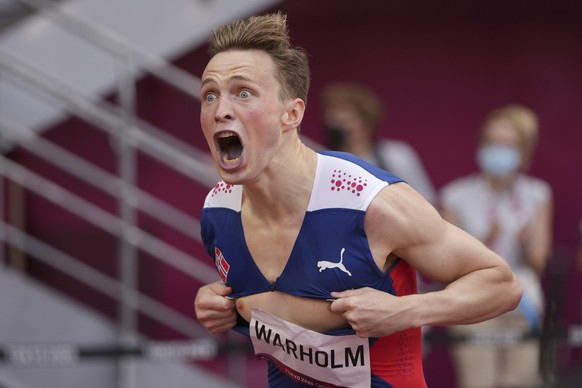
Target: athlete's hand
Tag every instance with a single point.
(372, 313)
(215, 312)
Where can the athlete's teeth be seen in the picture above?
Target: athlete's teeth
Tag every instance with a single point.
(229, 161)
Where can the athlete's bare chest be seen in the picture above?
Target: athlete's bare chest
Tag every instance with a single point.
(271, 247)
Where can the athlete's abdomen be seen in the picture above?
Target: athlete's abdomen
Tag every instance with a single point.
(312, 314)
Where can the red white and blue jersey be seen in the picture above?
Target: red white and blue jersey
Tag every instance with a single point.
(331, 253)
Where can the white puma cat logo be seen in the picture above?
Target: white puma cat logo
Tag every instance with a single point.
(323, 264)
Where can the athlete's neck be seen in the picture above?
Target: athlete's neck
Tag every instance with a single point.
(284, 188)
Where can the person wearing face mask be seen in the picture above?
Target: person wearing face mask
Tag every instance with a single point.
(511, 213)
(352, 116)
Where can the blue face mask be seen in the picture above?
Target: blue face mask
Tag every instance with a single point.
(498, 160)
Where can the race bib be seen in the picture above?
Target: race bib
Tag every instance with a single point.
(308, 357)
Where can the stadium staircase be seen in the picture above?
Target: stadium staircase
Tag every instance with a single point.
(103, 176)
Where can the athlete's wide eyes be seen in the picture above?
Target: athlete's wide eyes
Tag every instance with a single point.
(244, 94)
(210, 97)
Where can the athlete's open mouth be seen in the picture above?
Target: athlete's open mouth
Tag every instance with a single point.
(230, 146)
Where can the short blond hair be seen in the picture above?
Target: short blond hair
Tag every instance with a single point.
(268, 33)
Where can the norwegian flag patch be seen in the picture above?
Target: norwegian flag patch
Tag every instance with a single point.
(221, 264)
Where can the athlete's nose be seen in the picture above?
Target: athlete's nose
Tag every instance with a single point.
(223, 110)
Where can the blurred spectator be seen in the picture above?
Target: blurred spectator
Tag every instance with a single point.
(511, 213)
(352, 115)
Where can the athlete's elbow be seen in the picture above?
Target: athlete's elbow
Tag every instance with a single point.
(514, 293)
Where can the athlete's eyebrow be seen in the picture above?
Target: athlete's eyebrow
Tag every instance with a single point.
(206, 81)
(239, 77)
(236, 77)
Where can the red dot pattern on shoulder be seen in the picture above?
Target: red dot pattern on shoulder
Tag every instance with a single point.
(343, 181)
(222, 187)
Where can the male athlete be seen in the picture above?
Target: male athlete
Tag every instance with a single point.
(318, 251)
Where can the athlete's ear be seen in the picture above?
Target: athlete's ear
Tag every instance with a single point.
(293, 115)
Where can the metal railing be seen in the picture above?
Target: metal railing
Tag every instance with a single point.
(132, 134)
(108, 183)
(105, 116)
(99, 281)
(117, 46)
(106, 221)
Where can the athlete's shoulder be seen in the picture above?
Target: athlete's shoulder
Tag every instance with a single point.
(224, 195)
(347, 182)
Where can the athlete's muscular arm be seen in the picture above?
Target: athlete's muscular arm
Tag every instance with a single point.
(215, 312)
(480, 285)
